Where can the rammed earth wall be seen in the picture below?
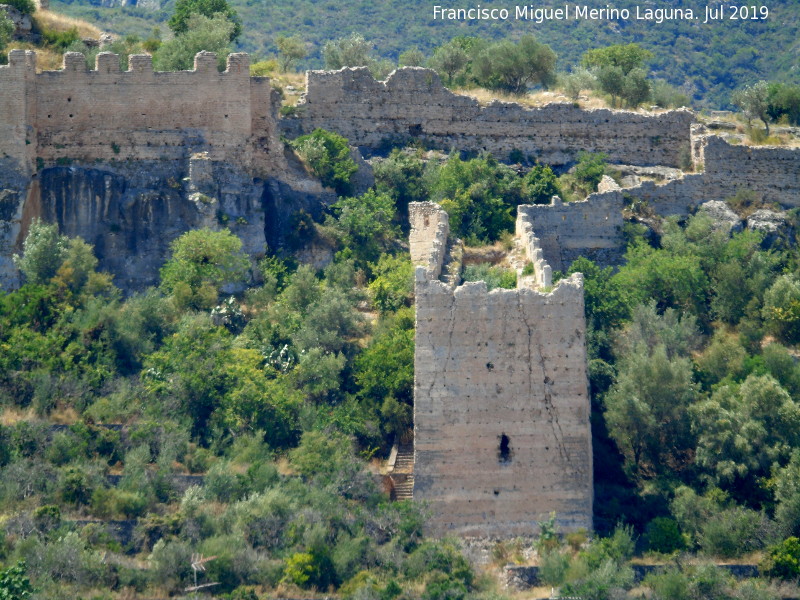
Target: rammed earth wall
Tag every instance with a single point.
(413, 104)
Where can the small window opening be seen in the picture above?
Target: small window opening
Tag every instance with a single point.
(504, 452)
(415, 130)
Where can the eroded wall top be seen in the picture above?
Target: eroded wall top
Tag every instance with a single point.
(413, 104)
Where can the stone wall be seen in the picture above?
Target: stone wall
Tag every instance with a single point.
(108, 114)
(501, 408)
(565, 231)
(770, 171)
(413, 104)
(430, 227)
(501, 403)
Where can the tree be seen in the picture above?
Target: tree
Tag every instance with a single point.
(185, 9)
(43, 252)
(612, 82)
(6, 30)
(578, 80)
(290, 50)
(743, 430)
(413, 57)
(328, 156)
(211, 34)
(626, 57)
(202, 261)
(513, 67)
(647, 412)
(784, 100)
(754, 102)
(620, 71)
(364, 225)
(449, 60)
(14, 583)
(636, 88)
(352, 51)
(541, 184)
(782, 308)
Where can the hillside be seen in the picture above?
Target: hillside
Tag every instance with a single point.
(709, 60)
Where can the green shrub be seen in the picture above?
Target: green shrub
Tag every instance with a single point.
(783, 560)
(327, 154)
(495, 277)
(26, 7)
(732, 532)
(663, 535)
(553, 567)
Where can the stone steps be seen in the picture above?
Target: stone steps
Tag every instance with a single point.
(405, 489)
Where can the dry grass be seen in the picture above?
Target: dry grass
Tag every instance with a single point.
(46, 59)
(538, 99)
(58, 22)
(64, 415)
(13, 414)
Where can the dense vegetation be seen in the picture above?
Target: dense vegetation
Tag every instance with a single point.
(278, 394)
(707, 61)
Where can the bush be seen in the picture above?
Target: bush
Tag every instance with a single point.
(328, 156)
(732, 532)
(783, 560)
(663, 535)
(495, 277)
(553, 567)
(26, 7)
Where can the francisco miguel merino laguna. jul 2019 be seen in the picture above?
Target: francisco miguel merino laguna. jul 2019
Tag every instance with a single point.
(578, 12)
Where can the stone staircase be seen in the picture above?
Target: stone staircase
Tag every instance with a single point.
(401, 470)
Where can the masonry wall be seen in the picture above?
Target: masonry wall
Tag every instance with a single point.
(565, 231)
(492, 364)
(430, 227)
(17, 106)
(413, 104)
(139, 114)
(772, 172)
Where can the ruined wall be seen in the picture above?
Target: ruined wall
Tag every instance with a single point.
(413, 104)
(17, 108)
(592, 228)
(506, 366)
(772, 172)
(109, 114)
(532, 246)
(501, 403)
(430, 227)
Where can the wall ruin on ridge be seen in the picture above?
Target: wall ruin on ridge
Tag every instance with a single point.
(501, 405)
(413, 104)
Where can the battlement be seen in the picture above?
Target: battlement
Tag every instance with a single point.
(112, 114)
(413, 104)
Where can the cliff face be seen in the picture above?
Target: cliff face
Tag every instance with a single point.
(129, 160)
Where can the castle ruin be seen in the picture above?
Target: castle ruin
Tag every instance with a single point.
(501, 401)
(131, 159)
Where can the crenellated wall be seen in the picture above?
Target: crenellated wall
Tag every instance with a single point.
(501, 404)
(413, 104)
(565, 231)
(108, 114)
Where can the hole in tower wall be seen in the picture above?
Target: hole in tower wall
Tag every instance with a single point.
(504, 450)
